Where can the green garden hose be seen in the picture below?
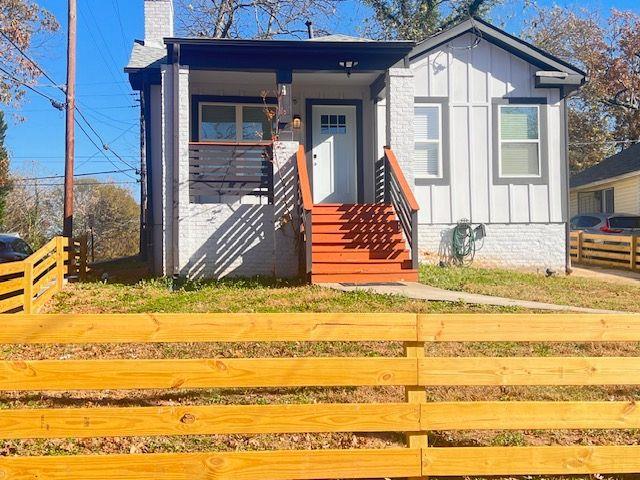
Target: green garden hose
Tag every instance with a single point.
(463, 243)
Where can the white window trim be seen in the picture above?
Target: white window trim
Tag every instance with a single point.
(238, 107)
(501, 141)
(438, 141)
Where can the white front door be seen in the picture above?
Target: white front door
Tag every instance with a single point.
(334, 154)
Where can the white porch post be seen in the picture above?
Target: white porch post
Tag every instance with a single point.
(181, 165)
(400, 101)
(166, 92)
(285, 209)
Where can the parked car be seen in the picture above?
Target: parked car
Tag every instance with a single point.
(13, 248)
(607, 223)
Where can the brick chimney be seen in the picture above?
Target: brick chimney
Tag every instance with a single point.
(158, 21)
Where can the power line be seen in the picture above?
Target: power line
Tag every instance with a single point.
(78, 184)
(59, 105)
(86, 174)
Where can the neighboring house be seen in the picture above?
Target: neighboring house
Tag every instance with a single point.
(474, 116)
(613, 185)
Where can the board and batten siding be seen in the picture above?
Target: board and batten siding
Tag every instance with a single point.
(626, 194)
(470, 78)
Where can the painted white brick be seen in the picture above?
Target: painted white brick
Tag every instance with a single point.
(532, 247)
(238, 239)
(158, 21)
(399, 117)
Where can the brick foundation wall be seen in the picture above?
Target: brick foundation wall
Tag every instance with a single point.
(532, 247)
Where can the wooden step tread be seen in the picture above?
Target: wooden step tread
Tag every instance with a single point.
(368, 228)
(377, 256)
(362, 267)
(330, 247)
(359, 278)
(357, 238)
(351, 209)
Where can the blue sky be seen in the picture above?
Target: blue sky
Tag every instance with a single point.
(106, 30)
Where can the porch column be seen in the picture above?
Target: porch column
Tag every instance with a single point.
(284, 78)
(181, 165)
(166, 119)
(400, 101)
(285, 209)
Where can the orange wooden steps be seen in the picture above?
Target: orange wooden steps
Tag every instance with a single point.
(357, 256)
(358, 244)
(360, 278)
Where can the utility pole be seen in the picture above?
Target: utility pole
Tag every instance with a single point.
(70, 130)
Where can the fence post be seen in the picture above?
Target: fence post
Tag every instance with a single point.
(28, 286)
(83, 258)
(60, 243)
(416, 394)
(633, 262)
(579, 255)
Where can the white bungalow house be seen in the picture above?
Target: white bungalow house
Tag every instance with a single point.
(347, 159)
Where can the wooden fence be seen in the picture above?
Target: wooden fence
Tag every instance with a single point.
(28, 284)
(415, 371)
(617, 251)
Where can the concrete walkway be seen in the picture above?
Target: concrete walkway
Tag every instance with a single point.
(419, 291)
(609, 275)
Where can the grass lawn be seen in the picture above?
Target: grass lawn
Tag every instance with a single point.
(268, 296)
(237, 296)
(563, 290)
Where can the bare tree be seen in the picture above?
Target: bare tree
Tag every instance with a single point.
(21, 23)
(252, 18)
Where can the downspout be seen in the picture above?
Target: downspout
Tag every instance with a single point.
(566, 197)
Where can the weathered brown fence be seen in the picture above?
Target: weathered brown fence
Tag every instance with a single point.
(415, 371)
(28, 284)
(617, 251)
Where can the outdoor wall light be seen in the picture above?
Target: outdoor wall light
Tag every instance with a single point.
(297, 122)
(348, 65)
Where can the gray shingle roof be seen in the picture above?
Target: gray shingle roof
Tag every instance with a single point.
(144, 56)
(339, 38)
(627, 161)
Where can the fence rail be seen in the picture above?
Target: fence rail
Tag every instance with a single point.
(28, 284)
(414, 371)
(617, 251)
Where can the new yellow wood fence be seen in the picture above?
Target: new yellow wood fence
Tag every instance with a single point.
(415, 371)
(617, 251)
(28, 284)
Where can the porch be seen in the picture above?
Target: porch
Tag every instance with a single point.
(248, 198)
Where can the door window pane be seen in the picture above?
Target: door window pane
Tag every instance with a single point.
(257, 123)
(218, 122)
(333, 124)
(520, 159)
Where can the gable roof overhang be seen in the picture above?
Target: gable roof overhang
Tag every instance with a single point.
(555, 72)
(285, 55)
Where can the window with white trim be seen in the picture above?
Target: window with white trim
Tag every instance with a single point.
(519, 140)
(224, 122)
(427, 130)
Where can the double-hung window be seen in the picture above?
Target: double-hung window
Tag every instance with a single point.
(235, 123)
(519, 141)
(427, 140)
